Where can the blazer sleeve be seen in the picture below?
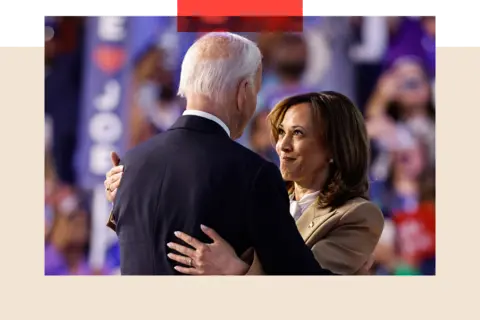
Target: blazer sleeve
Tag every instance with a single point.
(273, 232)
(133, 212)
(348, 246)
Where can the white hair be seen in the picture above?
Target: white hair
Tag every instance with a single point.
(216, 63)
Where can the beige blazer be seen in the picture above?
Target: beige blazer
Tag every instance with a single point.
(342, 239)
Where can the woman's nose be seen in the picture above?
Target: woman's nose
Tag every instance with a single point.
(286, 144)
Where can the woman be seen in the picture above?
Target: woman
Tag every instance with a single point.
(323, 148)
(67, 242)
(407, 197)
(403, 97)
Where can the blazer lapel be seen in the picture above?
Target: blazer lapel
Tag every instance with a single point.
(312, 219)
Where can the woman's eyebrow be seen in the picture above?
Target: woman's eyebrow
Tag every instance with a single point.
(298, 127)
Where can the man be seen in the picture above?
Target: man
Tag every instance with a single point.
(196, 174)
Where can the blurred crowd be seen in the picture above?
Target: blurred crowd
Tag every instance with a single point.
(386, 65)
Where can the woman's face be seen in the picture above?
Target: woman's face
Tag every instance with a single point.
(79, 229)
(413, 87)
(409, 162)
(300, 149)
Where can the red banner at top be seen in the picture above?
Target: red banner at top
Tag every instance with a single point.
(248, 8)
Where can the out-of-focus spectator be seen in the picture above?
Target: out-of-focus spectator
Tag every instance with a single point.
(288, 63)
(406, 196)
(412, 37)
(260, 139)
(403, 95)
(67, 243)
(164, 107)
(156, 105)
(144, 86)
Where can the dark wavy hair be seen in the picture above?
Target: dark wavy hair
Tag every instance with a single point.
(342, 130)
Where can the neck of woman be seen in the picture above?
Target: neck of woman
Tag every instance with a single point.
(311, 185)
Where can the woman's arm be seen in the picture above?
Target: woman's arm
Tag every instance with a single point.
(385, 91)
(349, 247)
(216, 258)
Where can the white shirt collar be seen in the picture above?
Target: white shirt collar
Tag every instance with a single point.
(297, 208)
(209, 116)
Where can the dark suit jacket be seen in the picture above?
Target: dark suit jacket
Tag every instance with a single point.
(195, 174)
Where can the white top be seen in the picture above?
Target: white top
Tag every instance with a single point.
(297, 208)
(209, 116)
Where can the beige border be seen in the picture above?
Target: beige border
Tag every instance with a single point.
(30, 295)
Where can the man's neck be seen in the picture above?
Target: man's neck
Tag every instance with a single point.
(205, 105)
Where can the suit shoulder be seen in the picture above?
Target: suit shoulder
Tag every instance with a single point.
(143, 150)
(362, 210)
(249, 155)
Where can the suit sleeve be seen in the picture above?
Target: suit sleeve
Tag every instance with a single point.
(274, 234)
(133, 212)
(347, 247)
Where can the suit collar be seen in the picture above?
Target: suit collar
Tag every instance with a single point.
(208, 116)
(315, 217)
(199, 123)
(312, 218)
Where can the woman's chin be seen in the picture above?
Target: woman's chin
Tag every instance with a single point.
(287, 175)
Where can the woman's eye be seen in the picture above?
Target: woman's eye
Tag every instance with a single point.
(281, 132)
(297, 132)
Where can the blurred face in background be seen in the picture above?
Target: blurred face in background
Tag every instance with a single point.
(260, 133)
(78, 225)
(301, 150)
(413, 87)
(150, 66)
(267, 42)
(70, 229)
(409, 162)
(289, 57)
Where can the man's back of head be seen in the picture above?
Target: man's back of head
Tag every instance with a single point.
(221, 74)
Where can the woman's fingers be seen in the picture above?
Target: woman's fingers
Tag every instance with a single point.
(182, 249)
(191, 271)
(212, 234)
(114, 170)
(190, 240)
(115, 158)
(181, 259)
(185, 261)
(115, 181)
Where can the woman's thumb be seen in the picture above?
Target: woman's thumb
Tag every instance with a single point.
(115, 158)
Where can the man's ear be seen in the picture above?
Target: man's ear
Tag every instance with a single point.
(242, 93)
